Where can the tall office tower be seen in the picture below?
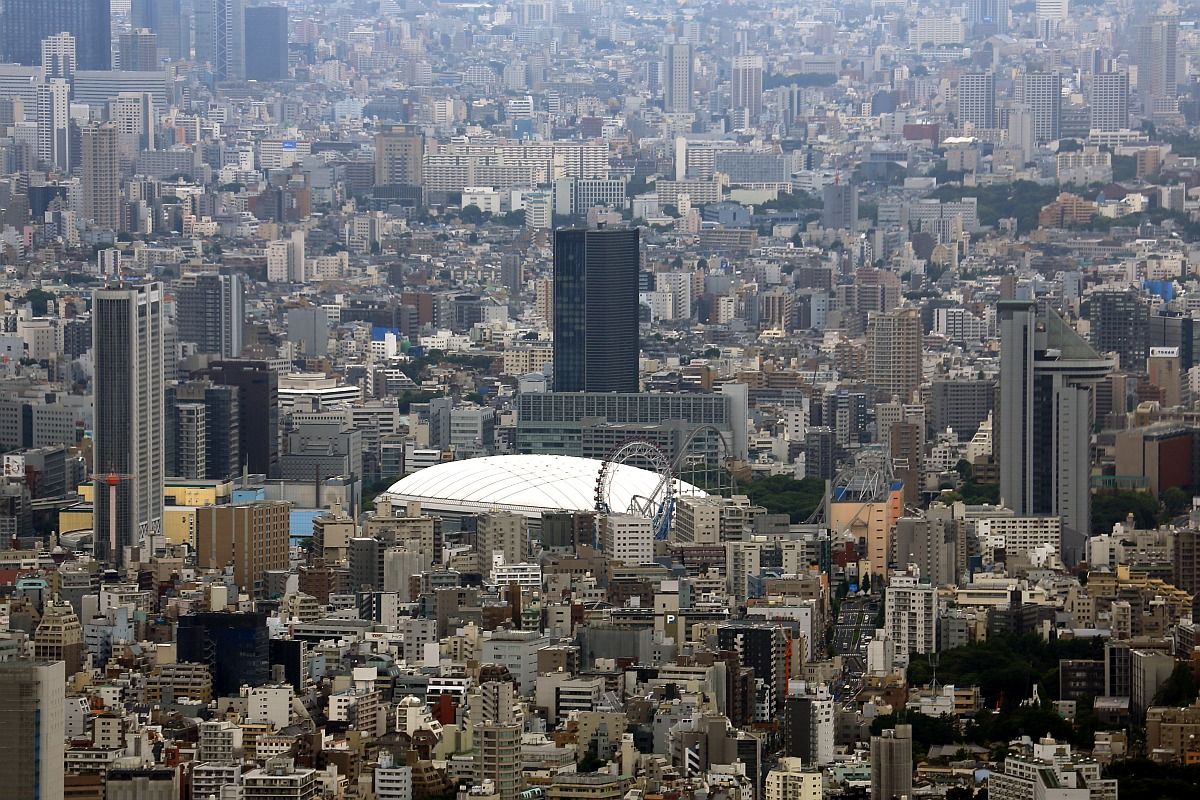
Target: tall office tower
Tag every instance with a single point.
(1048, 375)
(266, 43)
(209, 312)
(1109, 101)
(1050, 15)
(596, 309)
(894, 352)
(747, 84)
(819, 458)
(308, 326)
(138, 51)
(906, 446)
(961, 404)
(234, 646)
(221, 37)
(33, 728)
(1156, 53)
(186, 436)
(654, 76)
(169, 23)
(1020, 130)
(203, 431)
(1173, 329)
(127, 458)
(977, 99)
(1043, 96)
(935, 544)
(59, 636)
(25, 23)
(763, 647)
(987, 17)
(808, 726)
(1120, 322)
(253, 537)
(101, 177)
(498, 757)
(399, 151)
(258, 410)
(512, 274)
(677, 78)
(53, 124)
(891, 763)
(839, 206)
(58, 56)
(134, 117)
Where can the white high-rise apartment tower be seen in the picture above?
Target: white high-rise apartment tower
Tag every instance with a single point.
(977, 99)
(58, 56)
(1109, 98)
(747, 84)
(677, 78)
(53, 124)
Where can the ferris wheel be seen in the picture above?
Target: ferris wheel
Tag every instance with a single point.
(658, 505)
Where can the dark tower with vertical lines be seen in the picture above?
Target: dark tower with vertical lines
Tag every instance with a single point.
(596, 310)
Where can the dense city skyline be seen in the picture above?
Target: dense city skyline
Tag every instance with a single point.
(570, 400)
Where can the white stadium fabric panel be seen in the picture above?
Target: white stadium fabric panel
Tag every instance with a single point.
(524, 484)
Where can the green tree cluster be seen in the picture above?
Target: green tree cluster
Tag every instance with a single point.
(1142, 779)
(1022, 199)
(973, 493)
(927, 731)
(1110, 507)
(1005, 667)
(1179, 689)
(39, 301)
(779, 494)
(798, 79)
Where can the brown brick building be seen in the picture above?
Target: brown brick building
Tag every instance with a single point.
(252, 538)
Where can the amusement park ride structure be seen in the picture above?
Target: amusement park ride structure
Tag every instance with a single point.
(700, 467)
(703, 465)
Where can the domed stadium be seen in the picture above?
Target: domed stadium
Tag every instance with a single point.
(527, 485)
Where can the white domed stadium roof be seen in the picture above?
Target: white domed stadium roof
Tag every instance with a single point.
(525, 484)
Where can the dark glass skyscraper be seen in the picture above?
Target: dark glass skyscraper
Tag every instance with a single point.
(1119, 321)
(24, 23)
(596, 310)
(220, 27)
(235, 647)
(210, 311)
(169, 23)
(218, 449)
(266, 43)
(258, 410)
